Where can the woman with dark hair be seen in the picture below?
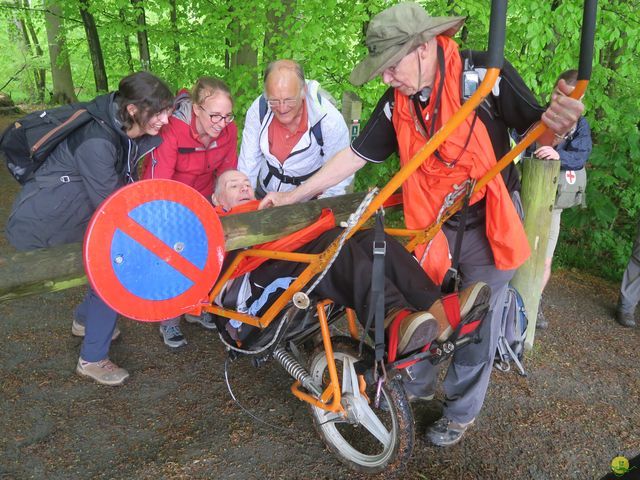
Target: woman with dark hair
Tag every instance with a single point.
(198, 145)
(56, 205)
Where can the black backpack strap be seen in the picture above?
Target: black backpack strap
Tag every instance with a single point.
(262, 108)
(53, 180)
(316, 130)
(274, 172)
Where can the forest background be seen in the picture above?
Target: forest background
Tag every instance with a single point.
(59, 51)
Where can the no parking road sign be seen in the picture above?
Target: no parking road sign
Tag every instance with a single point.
(154, 249)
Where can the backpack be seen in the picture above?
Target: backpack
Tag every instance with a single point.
(571, 194)
(513, 332)
(27, 143)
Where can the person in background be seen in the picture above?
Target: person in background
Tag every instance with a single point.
(630, 288)
(416, 56)
(573, 152)
(198, 144)
(90, 164)
(290, 132)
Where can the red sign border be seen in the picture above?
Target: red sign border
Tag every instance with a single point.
(108, 218)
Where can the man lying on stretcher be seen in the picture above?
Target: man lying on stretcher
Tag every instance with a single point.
(412, 301)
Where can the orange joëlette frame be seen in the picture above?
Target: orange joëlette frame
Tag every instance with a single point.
(317, 262)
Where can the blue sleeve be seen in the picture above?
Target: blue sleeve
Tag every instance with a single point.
(575, 152)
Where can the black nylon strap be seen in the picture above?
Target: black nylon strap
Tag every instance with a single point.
(376, 300)
(273, 171)
(451, 279)
(49, 180)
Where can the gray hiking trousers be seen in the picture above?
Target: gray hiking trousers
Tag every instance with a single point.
(630, 287)
(467, 379)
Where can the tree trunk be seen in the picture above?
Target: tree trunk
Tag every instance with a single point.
(143, 41)
(278, 28)
(39, 73)
(95, 50)
(610, 58)
(175, 31)
(127, 43)
(63, 91)
(25, 47)
(241, 55)
(47, 270)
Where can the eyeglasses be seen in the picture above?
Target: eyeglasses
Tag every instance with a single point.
(287, 102)
(217, 118)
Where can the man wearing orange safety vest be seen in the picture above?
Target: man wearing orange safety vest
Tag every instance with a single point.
(416, 57)
(414, 316)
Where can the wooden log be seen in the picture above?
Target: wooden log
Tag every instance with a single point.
(539, 185)
(53, 269)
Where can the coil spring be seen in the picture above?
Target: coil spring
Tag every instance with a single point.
(297, 371)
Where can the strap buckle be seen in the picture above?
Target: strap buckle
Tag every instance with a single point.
(379, 379)
(451, 281)
(379, 248)
(65, 179)
(291, 180)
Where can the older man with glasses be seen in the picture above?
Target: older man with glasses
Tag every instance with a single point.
(290, 132)
(415, 55)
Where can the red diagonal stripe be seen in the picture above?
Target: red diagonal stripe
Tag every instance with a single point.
(152, 243)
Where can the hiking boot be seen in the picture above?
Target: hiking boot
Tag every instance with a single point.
(626, 319)
(541, 321)
(172, 336)
(445, 432)
(78, 330)
(416, 330)
(474, 295)
(105, 372)
(205, 320)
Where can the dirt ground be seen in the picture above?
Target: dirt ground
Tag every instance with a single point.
(174, 419)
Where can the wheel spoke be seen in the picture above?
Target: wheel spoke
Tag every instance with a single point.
(370, 421)
(350, 383)
(330, 417)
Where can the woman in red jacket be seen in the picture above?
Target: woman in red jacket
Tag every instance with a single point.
(200, 141)
(198, 144)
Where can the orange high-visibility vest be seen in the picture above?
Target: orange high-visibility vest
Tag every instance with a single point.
(290, 243)
(424, 191)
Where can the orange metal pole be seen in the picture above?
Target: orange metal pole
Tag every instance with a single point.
(333, 389)
(328, 350)
(352, 323)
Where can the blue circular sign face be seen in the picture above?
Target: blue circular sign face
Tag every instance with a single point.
(176, 226)
(154, 249)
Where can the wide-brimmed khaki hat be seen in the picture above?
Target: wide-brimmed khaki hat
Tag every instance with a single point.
(395, 32)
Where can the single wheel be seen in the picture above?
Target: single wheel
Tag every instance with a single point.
(367, 439)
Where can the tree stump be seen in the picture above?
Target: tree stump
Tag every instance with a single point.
(7, 106)
(539, 186)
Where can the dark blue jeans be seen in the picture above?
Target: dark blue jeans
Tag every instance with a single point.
(100, 322)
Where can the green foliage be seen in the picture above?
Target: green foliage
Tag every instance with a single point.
(235, 40)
